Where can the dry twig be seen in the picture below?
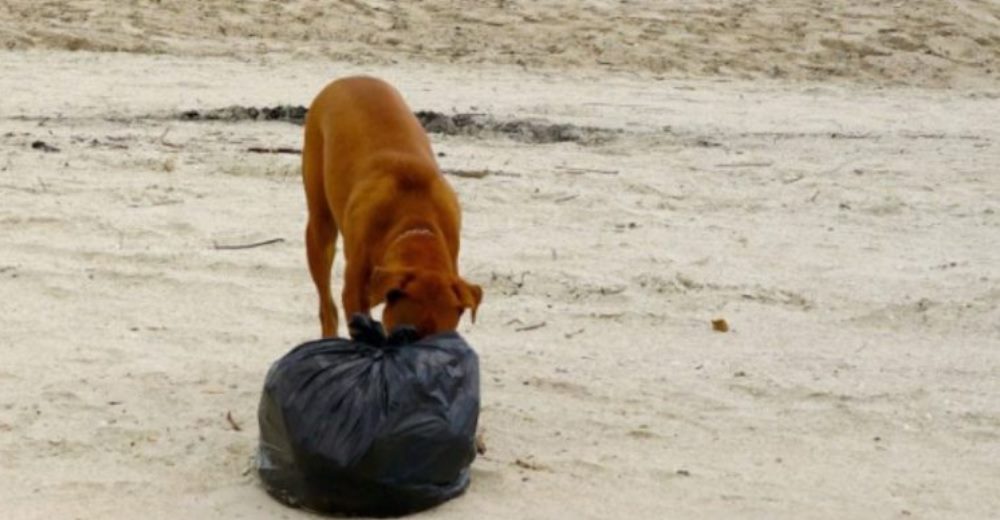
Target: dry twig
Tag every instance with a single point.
(278, 150)
(248, 246)
(530, 327)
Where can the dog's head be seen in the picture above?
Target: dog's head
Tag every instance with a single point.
(428, 300)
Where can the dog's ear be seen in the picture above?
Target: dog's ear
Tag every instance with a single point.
(387, 285)
(469, 295)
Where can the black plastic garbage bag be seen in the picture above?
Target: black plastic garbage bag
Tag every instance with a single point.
(370, 426)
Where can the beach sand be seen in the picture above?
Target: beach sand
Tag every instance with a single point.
(823, 176)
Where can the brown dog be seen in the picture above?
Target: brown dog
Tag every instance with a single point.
(370, 174)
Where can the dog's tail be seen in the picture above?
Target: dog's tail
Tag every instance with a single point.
(312, 167)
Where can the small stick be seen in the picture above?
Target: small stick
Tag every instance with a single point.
(468, 174)
(164, 142)
(759, 164)
(575, 170)
(530, 327)
(567, 198)
(248, 246)
(479, 174)
(291, 151)
(161, 203)
(232, 422)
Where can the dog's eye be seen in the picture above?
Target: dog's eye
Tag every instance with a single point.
(394, 296)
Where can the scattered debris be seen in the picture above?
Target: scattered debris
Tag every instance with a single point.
(578, 171)
(642, 434)
(478, 174)
(480, 444)
(536, 131)
(470, 124)
(163, 139)
(467, 174)
(851, 135)
(622, 227)
(279, 150)
(720, 325)
(232, 422)
(530, 327)
(248, 246)
(530, 465)
(43, 146)
(836, 168)
(760, 164)
(684, 473)
(289, 113)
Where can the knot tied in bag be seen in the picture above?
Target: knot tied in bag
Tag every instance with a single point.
(366, 331)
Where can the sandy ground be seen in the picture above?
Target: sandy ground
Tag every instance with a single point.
(926, 42)
(847, 231)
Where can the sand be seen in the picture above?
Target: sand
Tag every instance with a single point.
(844, 225)
(931, 42)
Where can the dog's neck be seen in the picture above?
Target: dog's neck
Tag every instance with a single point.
(418, 245)
(414, 231)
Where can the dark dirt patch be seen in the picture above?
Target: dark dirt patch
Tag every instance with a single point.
(523, 130)
(535, 131)
(290, 113)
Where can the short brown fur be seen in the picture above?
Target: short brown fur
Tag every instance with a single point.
(371, 177)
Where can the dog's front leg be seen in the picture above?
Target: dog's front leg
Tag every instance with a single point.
(355, 296)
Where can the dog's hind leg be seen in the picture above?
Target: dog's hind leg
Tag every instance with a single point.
(321, 229)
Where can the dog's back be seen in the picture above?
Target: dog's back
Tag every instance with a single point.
(365, 128)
